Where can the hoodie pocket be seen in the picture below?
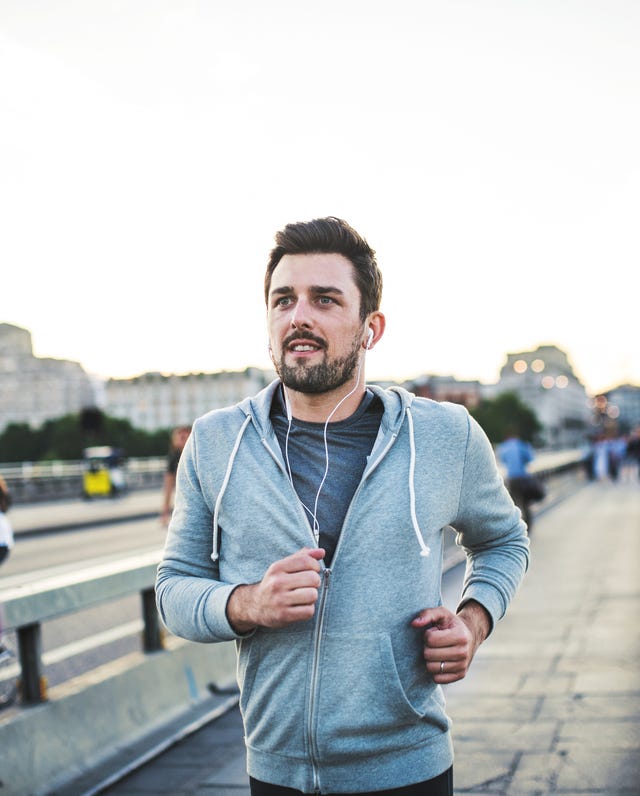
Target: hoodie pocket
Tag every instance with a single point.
(365, 707)
(273, 679)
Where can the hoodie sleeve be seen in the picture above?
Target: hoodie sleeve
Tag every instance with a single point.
(490, 529)
(190, 597)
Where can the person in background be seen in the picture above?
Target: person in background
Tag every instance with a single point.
(633, 450)
(6, 538)
(309, 527)
(516, 455)
(617, 455)
(179, 437)
(602, 458)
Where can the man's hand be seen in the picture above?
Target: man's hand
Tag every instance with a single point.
(287, 593)
(451, 640)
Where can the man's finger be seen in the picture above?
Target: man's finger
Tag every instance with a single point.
(439, 617)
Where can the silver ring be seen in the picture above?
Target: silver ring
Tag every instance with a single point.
(441, 667)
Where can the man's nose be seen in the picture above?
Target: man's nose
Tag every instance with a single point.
(301, 314)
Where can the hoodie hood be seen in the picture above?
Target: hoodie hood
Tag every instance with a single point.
(394, 399)
(397, 407)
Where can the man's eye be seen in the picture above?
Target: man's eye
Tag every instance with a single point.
(284, 301)
(325, 300)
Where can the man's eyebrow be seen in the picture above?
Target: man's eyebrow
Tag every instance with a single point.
(328, 289)
(281, 291)
(316, 289)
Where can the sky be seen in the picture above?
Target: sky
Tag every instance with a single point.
(488, 151)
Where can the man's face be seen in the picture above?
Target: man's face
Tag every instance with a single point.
(180, 437)
(314, 322)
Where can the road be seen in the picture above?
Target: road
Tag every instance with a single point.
(52, 553)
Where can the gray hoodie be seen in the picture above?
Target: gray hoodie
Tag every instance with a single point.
(343, 702)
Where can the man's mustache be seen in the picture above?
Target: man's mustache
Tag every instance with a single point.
(310, 338)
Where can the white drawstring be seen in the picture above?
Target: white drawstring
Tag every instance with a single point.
(314, 514)
(215, 555)
(425, 550)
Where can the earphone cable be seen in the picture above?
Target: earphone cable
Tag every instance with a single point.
(314, 514)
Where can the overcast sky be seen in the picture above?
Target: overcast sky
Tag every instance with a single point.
(488, 151)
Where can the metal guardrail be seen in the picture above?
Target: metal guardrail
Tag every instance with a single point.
(32, 482)
(27, 607)
(61, 469)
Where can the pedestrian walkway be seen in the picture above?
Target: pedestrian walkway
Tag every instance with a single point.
(552, 704)
(30, 518)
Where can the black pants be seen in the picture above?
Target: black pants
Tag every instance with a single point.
(438, 786)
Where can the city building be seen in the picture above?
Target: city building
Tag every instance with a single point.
(621, 406)
(34, 389)
(544, 380)
(153, 401)
(469, 393)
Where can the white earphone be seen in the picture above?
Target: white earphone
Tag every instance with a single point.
(369, 339)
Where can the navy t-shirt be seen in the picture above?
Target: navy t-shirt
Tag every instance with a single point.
(349, 443)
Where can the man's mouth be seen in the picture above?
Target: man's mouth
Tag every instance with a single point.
(303, 347)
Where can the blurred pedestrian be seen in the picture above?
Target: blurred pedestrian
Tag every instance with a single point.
(6, 531)
(516, 455)
(6, 538)
(617, 455)
(179, 437)
(602, 458)
(633, 450)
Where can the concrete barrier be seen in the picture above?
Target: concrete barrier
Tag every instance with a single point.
(91, 718)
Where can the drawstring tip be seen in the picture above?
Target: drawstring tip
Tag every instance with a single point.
(425, 552)
(214, 557)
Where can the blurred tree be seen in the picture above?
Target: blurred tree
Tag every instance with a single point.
(61, 438)
(19, 443)
(92, 420)
(505, 413)
(65, 438)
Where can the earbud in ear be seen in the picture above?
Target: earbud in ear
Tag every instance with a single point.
(369, 339)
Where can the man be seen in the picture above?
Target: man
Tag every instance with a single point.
(6, 544)
(516, 455)
(309, 525)
(179, 437)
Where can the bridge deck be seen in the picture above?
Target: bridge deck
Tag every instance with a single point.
(552, 704)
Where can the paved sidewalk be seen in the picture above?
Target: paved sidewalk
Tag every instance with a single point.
(30, 518)
(552, 704)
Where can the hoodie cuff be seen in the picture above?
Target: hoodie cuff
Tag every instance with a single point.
(489, 599)
(216, 615)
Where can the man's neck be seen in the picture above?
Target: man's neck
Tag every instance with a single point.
(317, 407)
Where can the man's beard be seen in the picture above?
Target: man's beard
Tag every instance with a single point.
(324, 377)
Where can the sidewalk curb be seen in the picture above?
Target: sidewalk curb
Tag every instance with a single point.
(76, 525)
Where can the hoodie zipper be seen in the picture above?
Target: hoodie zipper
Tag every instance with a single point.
(315, 665)
(315, 670)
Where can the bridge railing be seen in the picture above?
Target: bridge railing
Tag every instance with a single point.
(27, 607)
(31, 482)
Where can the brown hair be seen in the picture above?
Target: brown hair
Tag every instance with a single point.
(331, 235)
